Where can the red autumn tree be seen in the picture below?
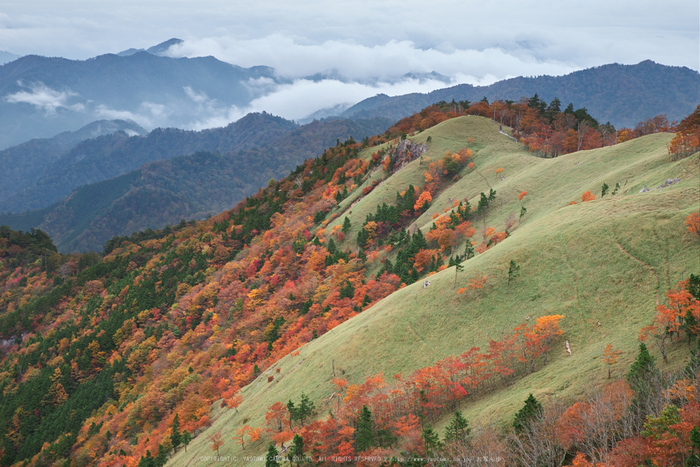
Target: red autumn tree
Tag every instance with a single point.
(587, 196)
(276, 417)
(693, 223)
(669, 318)
(216, 442)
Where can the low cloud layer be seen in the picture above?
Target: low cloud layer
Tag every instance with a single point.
(357, 62)
(46, 99)
(313, 35)
(353, 49)
(303, 97)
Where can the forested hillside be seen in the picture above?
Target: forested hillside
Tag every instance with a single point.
(351, 307)
(24, 164)
(96, 159)
(170, 188)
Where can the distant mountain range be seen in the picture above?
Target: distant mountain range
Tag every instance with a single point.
(7, 57)
(42, 96)
(230, 164)
(111, 178)
(620, 94)
(111, 155)
(29, 162)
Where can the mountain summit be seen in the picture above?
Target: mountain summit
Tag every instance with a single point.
(158, 49)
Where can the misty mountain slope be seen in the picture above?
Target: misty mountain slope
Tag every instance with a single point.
(620, 94)
(25, 163)
(185, 187)
(602, 264)
(41, 96)
(109, 156)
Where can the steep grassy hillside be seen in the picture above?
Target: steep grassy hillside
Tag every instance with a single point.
(604, 264)
(103, 357)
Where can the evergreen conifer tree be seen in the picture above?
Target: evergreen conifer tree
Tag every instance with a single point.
(306, 408)
(364, 435)
(175, 436)
(186, 438)
(458, 429)
(296, 450)
(530, 411)
(271, 457)
(694, 459)
(431, 440)
(642, 378)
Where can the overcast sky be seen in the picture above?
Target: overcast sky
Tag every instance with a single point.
(373, 43)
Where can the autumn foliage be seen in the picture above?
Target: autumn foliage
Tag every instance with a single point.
(692, 222)
(422, 200)
(687, 139)
(681, 313)
(587, 196)
(401, 405)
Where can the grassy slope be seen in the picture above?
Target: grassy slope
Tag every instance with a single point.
(602, 264)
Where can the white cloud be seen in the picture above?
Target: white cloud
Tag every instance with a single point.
(198, 97)
(303, 97)
(580, 34)
(364, 47)
(353, 61)
(44, 98)
(149, 115)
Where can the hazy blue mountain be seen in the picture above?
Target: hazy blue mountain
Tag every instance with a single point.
(7, 57)
(159, 49)
(192, 186)
(163, 47)
(620, 94)
(40, 96)
(111, 155)
(24, 164)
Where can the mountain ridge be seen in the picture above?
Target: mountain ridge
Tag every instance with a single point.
(23, 164)
(188, 186)
(150, 89)
(676, 97)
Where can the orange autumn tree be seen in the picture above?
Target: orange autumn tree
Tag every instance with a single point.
(591, 426)
(610, 356)
(475, 284)
(397, 407)
(682, 313)
(422, 259)
(687, 139)
(216, 442)
(276, 417)
(252, 433)
(587, 196)
(692, 222)
(422, 201)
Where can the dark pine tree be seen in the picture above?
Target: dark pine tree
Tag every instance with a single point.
(364, 435)
(530, 411)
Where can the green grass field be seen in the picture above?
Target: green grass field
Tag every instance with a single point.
(603, 264)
